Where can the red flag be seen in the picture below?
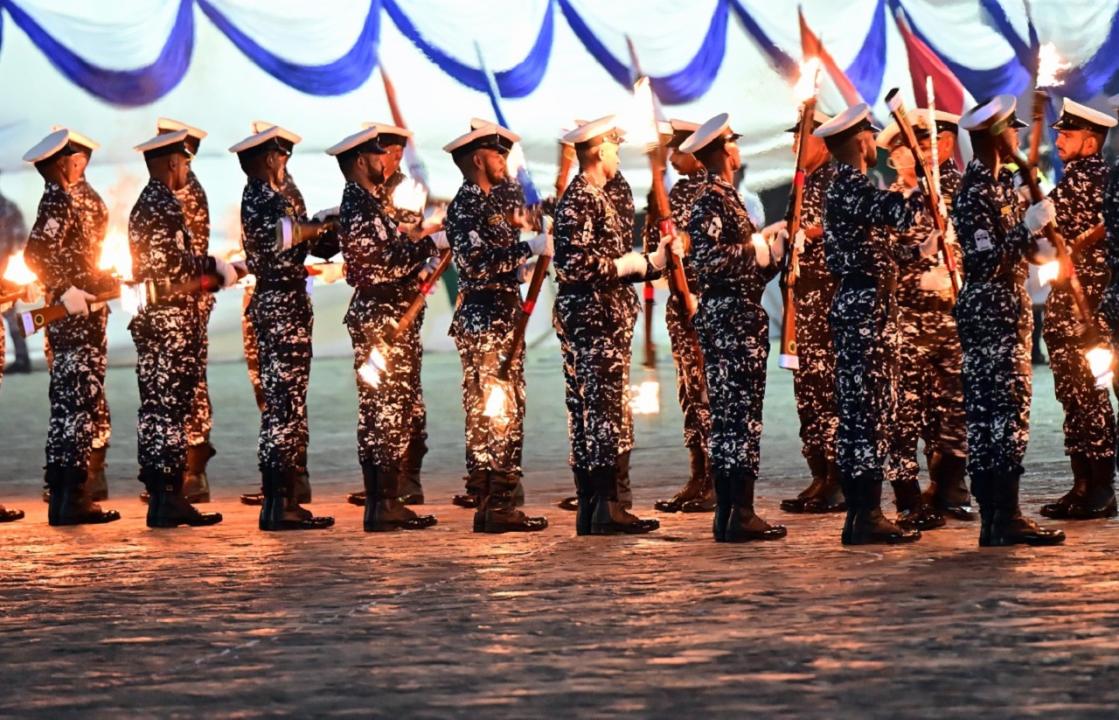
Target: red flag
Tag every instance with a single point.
(810, 46)
(924, 63)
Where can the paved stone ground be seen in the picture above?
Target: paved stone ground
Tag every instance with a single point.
(227, 621)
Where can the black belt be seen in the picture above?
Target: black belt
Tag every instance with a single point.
(859, 281)
(490, 293)
(288, 284)
(725, 291)
(587, 288)
(382, 292)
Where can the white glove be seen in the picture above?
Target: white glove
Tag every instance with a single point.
(631, 263)
(936, 279)
(76, 301)
(1040, 214)
(440, 240)
(540, 245)
(775, 228)
(322, 215)
(930, 245)
(761, 250)
(331, 272)
(777, 244)
(669, 243)
(1045, 251)
(228, 274)
(1021, 189)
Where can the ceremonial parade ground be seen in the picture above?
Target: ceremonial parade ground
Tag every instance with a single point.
(119, 620)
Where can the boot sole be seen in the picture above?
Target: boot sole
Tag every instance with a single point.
(181, 523)
(85, 521)
(290, 525)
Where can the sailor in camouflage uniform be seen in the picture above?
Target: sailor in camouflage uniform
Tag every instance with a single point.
(814, 378)
(732, 265)
(930, 402)
(167, 332)
(863, 321)
(381, 265)
(1089, 423)
(64, 255)
(490, 258)
(393, 140)
(196, 209)
(282, 318)
(698, 493)
(594, 315)
(1109, 304)
(993, 318)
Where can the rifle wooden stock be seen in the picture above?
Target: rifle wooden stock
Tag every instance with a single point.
(932, 193)
(395, 330)
(566, 161)
(535, 283)
(677, 280)
(32, 321)
(1040, 98)
(788, 357)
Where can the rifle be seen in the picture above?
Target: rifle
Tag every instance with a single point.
(395, 328)
(788, 358)
(931, 192)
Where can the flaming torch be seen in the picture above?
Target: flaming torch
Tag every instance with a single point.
(931, 190)
(116, 257)
(805, 91)
(645, 132)
(1049, 68)
(19, 275)
(410, 195)
(1098, 352)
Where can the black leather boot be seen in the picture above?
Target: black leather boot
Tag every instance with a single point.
(571, 502)
(1081, 479)
(697, 488)
(947, 490)
(253, 498)
(829, 498)
(870, 526)
(280, 509)
(851, 499)
(724, 502)
(384, 510)
(1008, 525)
(743, 524)
(1098, 497)
(69, 502)
(913, 512)
(476, 482)
(302, 480)
(196, 484)
(625, 493)
(818, 466)
(498, 512)
(608, 516)
(411, 490)
(167, 506)
(583, 501)
(96, 485)
(7, 515)
(981, 484)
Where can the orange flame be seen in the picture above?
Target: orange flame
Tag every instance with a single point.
(1049, 66)
(1048, 272)
(1101, 363)
(808, 81)
(18, 273)
(409, 195)
(370, 371)
(115, 255)
(645, 399)
(638, 121)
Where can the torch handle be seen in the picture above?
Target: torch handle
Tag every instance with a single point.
(1040, 98)
(535, 283)
(931, 192)
(420, 297)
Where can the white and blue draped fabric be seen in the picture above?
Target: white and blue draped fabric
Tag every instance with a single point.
(110, 67)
